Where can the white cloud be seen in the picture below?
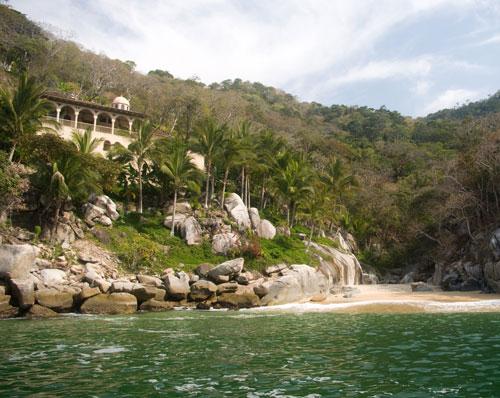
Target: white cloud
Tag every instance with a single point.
(421, 87)
(450, 99)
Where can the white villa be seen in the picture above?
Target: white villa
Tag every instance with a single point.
(113, 123)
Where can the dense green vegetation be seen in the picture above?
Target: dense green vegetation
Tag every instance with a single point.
(410, 190)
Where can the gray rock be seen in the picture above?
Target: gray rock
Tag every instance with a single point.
(203, 269)
(177, 288)
(157, 305)
(229, 269)
(16, 261)
(109, 207)
(228, 287)
(55, 299)
(237, 210)
(178, 220)
(202, 290)
(180, 207)
(254, 217)
(51, 277)
(302, 282)
(104, 220)
(191, 231)
(262, 289)
(114, 303)
(23, 291)
(266, 230)
(88, 292)
(408, 278)
(274, 269)
(39, 311)
(123, 287)
(149, 280)
(223, 243)
(92, 212)
(145, 293)
(238, 300)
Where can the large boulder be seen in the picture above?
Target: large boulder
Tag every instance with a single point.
(39, 311)
(275, 269)
(52, 276)
(114, 303)
(178, 220)
(92, 212)
(229, 269)
(177, 288)
(157, 305)
(145, 293)
(301, 283)
(180, 207)
(202, 270)
(340, 268)
(254, 217)
(202, 290)
(223, 243)
(109, 207)
(23, 291)
(57, 300)
(237, 210)
(16, 261)
(123, 287)
(238, 300)
(191, 231)
(266, 230)
(149, 280)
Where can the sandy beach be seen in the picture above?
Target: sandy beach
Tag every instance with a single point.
(399, 299)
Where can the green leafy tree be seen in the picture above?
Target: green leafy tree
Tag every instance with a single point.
(22, 111)
(180, 170)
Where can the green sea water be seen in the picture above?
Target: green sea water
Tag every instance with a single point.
(252, 354)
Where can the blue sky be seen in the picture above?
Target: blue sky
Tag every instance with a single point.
(414, 56)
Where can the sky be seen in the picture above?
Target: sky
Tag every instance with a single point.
(413, 56)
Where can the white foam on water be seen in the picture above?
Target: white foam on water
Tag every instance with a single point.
(426, 306)
(110, 350)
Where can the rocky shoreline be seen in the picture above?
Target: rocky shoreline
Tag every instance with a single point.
(33, 287)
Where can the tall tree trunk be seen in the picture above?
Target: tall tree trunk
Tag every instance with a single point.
(262, 193)
(13, 149)
(172, 231)
(207, 184)
(140, 190)
(248, 191)
(243, 185)
(212, 191)
(224, 183)
(310, 237)
(288, 215)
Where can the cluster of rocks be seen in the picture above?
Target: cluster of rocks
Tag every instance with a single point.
(100, 209)
(224, 229)
(33, 286)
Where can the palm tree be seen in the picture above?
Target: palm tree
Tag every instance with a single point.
(210, 140)
(22, 111)
(141, 150)
(84, 142)
(247, 158)
(229, 156)
(179, 167)
(292, 183)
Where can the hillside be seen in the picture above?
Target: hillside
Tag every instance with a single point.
(416, 187)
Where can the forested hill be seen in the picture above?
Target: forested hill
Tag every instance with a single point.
(417, 179)
(485, 107)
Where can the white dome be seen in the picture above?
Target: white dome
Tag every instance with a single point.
(121, 103)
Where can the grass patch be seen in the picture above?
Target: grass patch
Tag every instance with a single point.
(143, 244)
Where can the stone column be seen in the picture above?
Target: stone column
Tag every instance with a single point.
(130, 122)
(58, 113)
(76, 119)
(113, 124)
(95, 122)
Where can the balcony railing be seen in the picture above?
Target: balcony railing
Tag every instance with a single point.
(99, 127)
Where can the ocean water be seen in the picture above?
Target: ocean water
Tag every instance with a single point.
(252, 354)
